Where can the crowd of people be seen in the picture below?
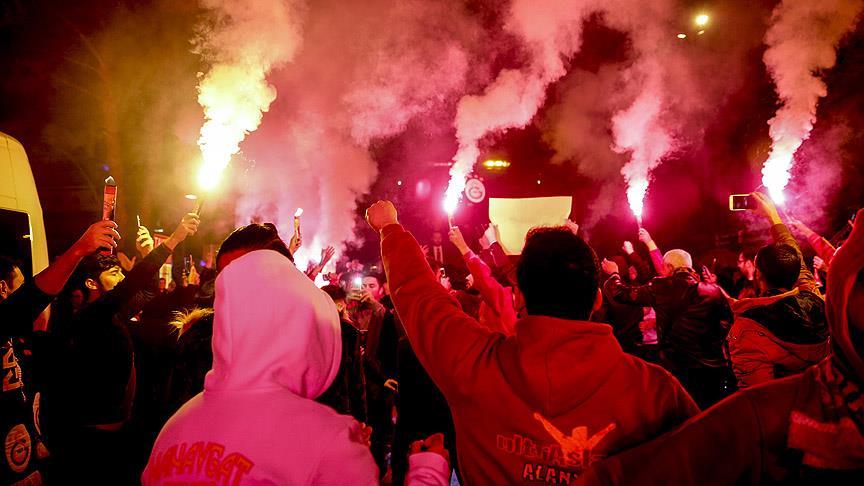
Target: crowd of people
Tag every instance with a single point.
(444, 363)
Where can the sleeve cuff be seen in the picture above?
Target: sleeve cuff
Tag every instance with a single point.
(779, 230)
(390, 229)
(160, 252)
(430, 466)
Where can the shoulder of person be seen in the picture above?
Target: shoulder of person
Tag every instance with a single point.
(745, 329)
(775, 398)
(655, 373)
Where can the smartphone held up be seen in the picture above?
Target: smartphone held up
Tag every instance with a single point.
(740, 202)
(356, 288)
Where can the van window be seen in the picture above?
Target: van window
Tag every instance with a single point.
(15, 239)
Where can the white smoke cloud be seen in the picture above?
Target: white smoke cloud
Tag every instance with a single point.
(366, 70)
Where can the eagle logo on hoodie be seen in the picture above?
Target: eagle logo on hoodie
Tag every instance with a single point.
(577, 446)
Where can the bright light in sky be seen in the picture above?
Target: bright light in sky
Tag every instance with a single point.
(702, 20)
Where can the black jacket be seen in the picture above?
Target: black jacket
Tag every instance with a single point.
(87, 362)
(693, 317)
(17, 409)
(20, 309)
(421, 411)
(347, 393)
(624, 319)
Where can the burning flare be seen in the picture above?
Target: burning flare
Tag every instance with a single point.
(234, 99)
(234, 92)
(636, 197)
(802, 41)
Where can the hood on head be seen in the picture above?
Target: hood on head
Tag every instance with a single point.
(560, 363)
(273, 328)
(847, 263)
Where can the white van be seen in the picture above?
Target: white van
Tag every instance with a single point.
(22, 229)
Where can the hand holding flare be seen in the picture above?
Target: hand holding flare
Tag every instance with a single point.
(297, 239)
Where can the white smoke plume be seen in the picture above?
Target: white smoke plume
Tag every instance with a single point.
(640, 130)
(653, 96)
(552, 32)
(802, 41)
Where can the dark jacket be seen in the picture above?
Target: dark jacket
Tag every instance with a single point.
(781, 333)
(155, 342)
(347, 393)
(624, 319)
(421, 411)
(18, 408)
(21, 308)
(803, 429)
(24, 449)
(693, 317)
(89, 366)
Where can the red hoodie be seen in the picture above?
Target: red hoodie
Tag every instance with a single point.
(539, 406)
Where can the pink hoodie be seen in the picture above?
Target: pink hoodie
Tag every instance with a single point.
(276, 346)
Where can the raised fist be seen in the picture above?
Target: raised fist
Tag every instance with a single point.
(609, 267)
(628, 247)
(490, 236)
(381, 214)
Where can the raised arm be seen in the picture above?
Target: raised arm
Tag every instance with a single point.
(314, 269)
(447, 341)
(140, 277)
(622, 293)
(99, 235)
(781, 234)
(643, 268)
(824, 249)
(493, 252)
(23, 306)
(653, 250)
(493, 293)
